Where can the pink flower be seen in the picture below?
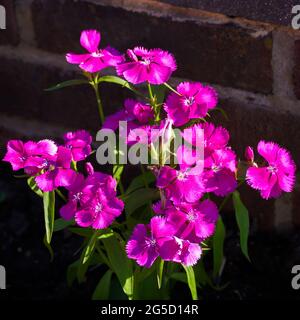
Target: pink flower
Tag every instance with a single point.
(96, 59)
(180, 185)
(193, 102)
(220, 171)
(134, 112)
(55, 171)
(194, 222)
(154, 66)
(100, 211)
(93, 201)
(148, 242)
(277, 175)
(249, 154)
(189, 253)
(29, 155)
(214, 138)
(79, 142)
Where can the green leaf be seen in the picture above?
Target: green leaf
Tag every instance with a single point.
(86, 256)
(139, 198)
(48, 246)
(117, 171)
(60, 224)
(218, 247)
(84, 232)
(242, 218)
(121, 265)
(160, 271)
(68, 83)
(159, 92)
(49, 213)
(31, 183)
(119, 81)
(102, 290)
(191, 281)
(139, 181)
(179, 276)
(201, 275)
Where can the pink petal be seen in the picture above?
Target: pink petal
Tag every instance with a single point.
(90, 40)
(74, 58)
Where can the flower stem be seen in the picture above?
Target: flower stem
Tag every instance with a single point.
(170, 88)
(99, 102)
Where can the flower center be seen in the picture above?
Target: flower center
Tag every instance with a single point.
(151, 242)
(215, 168)
(97, 54)
(77, 196)
(189, 101)
(146, 61)
(98, 207)
(192, 216)
(272, 169)
(181, 176)
(22, 158)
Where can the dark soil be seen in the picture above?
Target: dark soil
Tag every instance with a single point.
(31, 275)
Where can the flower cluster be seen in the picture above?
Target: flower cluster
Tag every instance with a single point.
(92, 201)
(185, 216)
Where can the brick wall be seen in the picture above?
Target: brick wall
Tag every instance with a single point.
(255, 66)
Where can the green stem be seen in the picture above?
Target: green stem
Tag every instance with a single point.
(170, 88)
(150, 94)
(61, 195)
(99, 102)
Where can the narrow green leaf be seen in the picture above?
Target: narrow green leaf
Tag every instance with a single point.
(117, 171)
(179, 276)
(48, 246)
(31, 183)
(68, 83)
(120, 263)
(84, 232)
(218, 247)
(139, 181)
(49, 213)
(191, 281)
(119, 81)
(60, 224)
(242, 218)
(139, 198)
(102, 290)
(160, 271)
(86, 256)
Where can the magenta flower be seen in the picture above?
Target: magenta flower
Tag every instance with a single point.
(29, 155)
(194, 222)
(100, 211)
(154, 66)
(150, 241)
(134, 112)
(96, 59)
(220, 172)
(277, 175)
(189, 253)
(180, 185)
(55, 171)
(193, 102)
(249, 154)
(92, 201)
(79, 142)
(214, 138)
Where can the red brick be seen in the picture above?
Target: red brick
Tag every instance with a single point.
(217, 53)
